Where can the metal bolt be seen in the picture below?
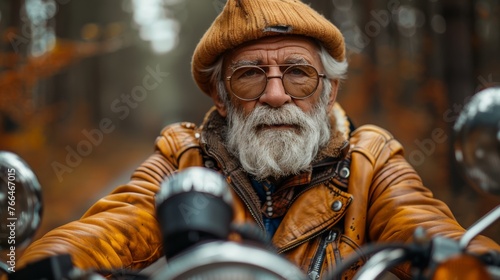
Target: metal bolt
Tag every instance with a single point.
(337, 205)
(344, 172)
(209, 164)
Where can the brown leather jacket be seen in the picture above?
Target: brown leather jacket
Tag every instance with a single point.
(359, 191)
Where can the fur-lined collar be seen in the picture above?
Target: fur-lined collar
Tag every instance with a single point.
(340, 130)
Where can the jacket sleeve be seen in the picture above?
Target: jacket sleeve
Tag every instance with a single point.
(121, 230)
(398, 201)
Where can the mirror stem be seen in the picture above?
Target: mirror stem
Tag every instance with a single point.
(4, 268)
(479, 226)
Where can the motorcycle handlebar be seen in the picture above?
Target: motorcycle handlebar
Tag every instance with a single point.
(382, 262)
(383, 257)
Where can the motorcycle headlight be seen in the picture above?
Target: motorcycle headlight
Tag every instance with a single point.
(193, 206)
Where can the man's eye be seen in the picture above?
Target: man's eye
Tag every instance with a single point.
(296, 71)
(251, 72)
(245, 73)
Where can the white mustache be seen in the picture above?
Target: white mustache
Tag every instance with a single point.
(285, 115)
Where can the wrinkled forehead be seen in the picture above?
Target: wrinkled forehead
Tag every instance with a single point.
(286, 49)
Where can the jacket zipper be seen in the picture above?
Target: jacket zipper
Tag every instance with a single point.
(319, 258)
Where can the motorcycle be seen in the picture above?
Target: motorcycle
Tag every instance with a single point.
(21, 202)
(198, 246)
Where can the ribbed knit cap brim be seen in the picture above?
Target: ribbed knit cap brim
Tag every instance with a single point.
(242, 21)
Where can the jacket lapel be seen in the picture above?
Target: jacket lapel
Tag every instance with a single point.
(316, 210)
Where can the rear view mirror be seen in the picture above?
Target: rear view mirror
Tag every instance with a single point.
(477, 143)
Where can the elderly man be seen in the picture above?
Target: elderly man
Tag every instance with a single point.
(296, 166)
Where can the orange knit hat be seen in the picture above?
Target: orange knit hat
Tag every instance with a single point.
(244, 20)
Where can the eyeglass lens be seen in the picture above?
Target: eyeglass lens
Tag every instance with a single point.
(249, 82)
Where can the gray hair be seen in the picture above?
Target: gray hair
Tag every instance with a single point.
(334, 70)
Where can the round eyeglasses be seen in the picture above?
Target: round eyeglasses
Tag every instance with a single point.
(249, 82)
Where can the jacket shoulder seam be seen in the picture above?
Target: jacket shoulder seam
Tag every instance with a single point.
(371, 141)
(370, 128)
(177, 138)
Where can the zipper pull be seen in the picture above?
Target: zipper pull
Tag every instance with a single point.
(320, 255)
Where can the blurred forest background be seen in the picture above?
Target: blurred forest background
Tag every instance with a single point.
(75, 105)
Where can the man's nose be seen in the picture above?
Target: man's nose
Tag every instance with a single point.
(274, 93)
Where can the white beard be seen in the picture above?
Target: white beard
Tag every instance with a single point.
(277, 152)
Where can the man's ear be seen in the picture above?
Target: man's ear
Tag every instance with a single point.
(219, 104)
(333, 94)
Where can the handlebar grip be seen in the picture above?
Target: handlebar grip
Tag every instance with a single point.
(51, 268)
(491, 258)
